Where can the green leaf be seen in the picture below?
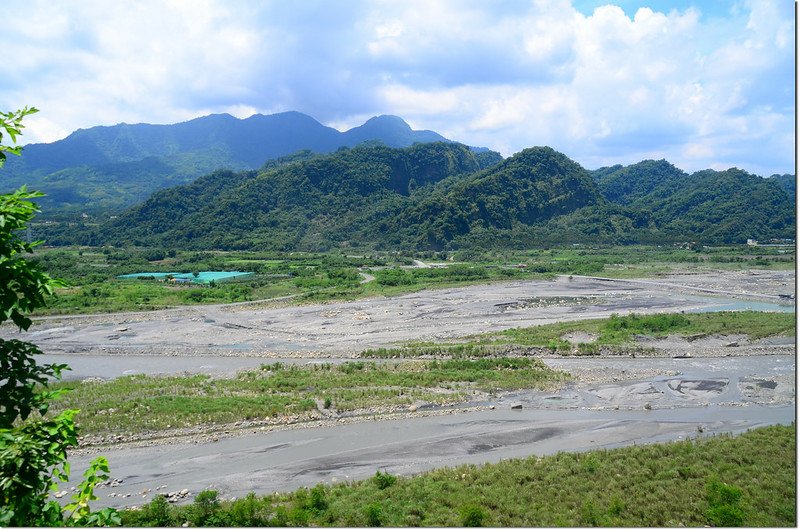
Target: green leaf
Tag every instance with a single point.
(33, 452)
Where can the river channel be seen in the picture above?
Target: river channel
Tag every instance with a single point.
(726, 386)
(685, 398)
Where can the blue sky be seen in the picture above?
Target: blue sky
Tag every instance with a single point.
(708, 8)
(701, 83)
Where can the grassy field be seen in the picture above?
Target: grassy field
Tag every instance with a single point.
(615, 331)
(93, 286)
(148, 403)
(746, 480)
(90, 273)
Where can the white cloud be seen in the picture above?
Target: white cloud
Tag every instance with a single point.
(698, 150)
(127, 62)
(603, 88)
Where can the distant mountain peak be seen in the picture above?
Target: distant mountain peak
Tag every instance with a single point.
(384, 122)
(111, 157)
(388, 119)
(392, 130)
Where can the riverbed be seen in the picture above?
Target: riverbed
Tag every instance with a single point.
(345, 328)
(681, 398)
(718, 385)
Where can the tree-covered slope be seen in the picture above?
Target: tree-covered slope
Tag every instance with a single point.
(446, 196)
(311, 204)
(787, 182)
(645, 180)
(106, 169)
(109, 188)
(600, 173)
(716, 206)
(528, 188)
(727, 206)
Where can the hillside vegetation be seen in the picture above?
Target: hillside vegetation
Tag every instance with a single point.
(722, 206)
(312, 203)
(103, 170)
(445, 196)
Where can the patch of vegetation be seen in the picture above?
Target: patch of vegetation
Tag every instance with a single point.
(91, 273)
(33, 448)
(147, 403)
(744, 480)
(615, 331)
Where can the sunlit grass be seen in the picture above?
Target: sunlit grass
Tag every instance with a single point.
(140, 403)
(615, 331)
(670, 485)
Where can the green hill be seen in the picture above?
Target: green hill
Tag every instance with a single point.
(717, 206)
(528, 188)
(104, 170)
(445, 196)
(312, 203)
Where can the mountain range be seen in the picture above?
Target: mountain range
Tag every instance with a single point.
(107, 169)
(287, 182)
(444, 195)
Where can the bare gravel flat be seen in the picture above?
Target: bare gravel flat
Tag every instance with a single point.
(346, 328)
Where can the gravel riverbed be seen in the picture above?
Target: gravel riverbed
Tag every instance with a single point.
(663, 389)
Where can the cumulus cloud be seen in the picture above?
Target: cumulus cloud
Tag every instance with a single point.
(602, 84)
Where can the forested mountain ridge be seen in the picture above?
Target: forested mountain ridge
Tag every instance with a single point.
(446, 196)
(308, 203)
(528, 188)
(643, 180)
(724, 206)
(106, 169)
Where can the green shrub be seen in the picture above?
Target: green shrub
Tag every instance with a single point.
(616, 506)
(250, 511)
(590, 513)
(384, 480)
(394, 277)
(204, 508)
(157, 513)
(472, 516)
(374, 514)
(590, 464)
(723, 504)
(317, 500)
